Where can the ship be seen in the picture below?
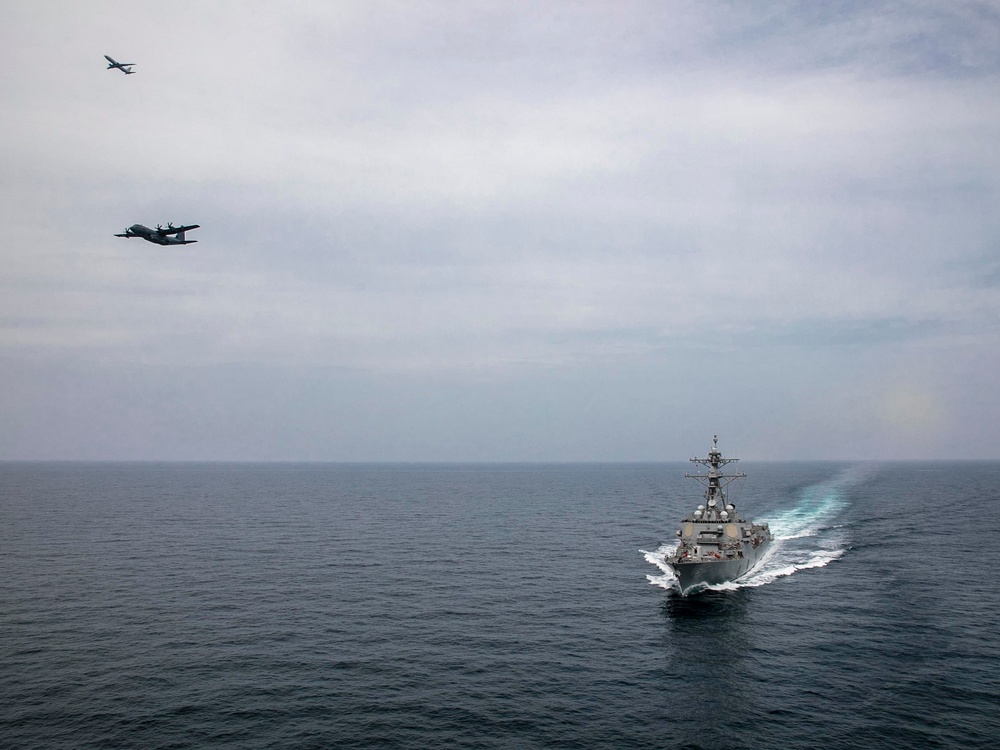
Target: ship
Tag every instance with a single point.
(716, 543)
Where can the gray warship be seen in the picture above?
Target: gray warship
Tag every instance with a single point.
(716, 543)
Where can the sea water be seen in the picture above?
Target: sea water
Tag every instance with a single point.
(492, 606)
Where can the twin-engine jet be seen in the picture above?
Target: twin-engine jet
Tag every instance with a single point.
(125, 68)
(170, 236)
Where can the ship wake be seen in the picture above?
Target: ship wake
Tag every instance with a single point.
(808, 535)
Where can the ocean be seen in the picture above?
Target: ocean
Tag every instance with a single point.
(492, 606)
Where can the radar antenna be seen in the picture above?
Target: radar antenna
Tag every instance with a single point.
(716, 480)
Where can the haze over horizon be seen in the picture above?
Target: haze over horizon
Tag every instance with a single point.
(478, 232)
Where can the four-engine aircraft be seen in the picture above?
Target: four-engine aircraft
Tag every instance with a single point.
(170, 236)
(125, 68)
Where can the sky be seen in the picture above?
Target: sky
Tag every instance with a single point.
(500, 231)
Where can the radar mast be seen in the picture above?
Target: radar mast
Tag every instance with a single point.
(716, 479)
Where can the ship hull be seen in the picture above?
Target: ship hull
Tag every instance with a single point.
(693, 576)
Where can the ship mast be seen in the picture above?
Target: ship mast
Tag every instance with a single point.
(716, 479)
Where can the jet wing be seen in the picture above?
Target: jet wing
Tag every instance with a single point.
(178, 230)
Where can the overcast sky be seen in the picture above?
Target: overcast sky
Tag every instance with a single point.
(500, 231)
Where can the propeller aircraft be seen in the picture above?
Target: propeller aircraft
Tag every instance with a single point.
(170, 235)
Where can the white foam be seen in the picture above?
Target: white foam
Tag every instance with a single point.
(818, 505)
(659, 558)
(799, 535)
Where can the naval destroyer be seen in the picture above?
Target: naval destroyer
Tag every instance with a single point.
(716, 543)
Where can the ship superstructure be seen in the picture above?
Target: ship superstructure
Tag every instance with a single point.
(716, 543)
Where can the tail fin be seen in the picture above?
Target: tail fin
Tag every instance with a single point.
(180, 236)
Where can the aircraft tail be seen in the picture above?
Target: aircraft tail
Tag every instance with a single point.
(180, 236)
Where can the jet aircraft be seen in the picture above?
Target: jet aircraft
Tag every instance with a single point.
(170, 236)
(125, 68)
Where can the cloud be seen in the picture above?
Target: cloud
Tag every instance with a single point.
(501, 190)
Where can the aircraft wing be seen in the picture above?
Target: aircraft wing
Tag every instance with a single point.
(124, 235)
(178, 230)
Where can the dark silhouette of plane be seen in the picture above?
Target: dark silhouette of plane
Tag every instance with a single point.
(125, 68)
(170, 236)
